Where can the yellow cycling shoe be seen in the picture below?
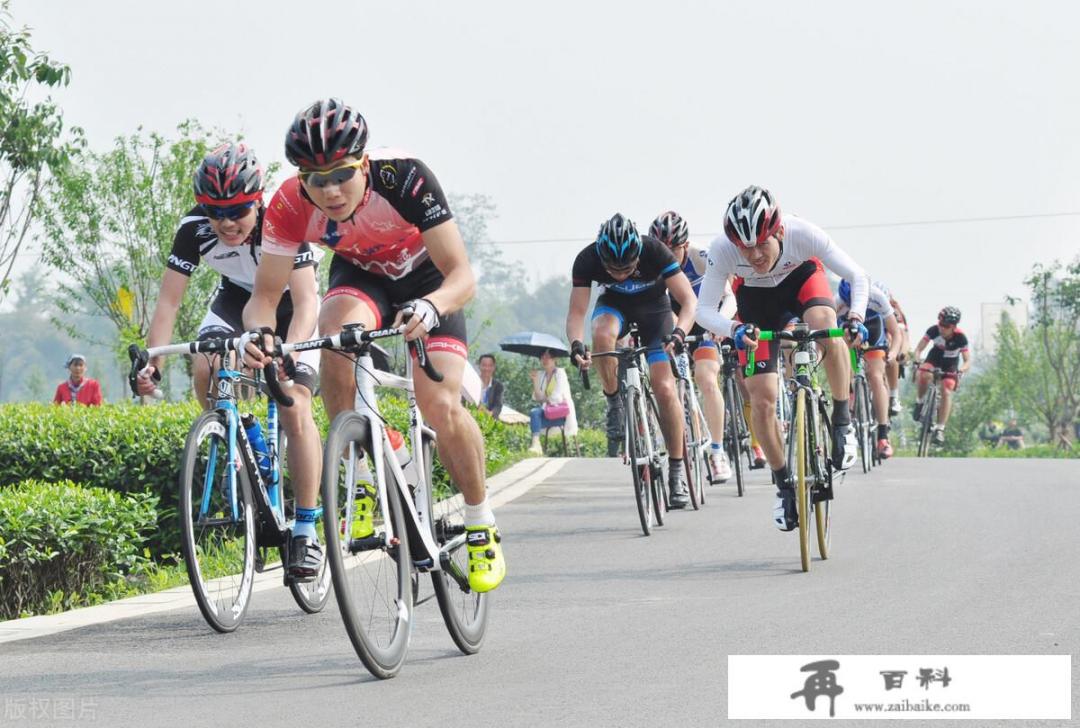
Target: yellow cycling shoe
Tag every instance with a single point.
(487, 567)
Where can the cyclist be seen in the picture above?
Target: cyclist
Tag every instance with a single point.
(395, 242)
(950, 345)
(892, 367)
(777, 263)
(882, 346)
(634, 274)
(224, 230)
(671, 229)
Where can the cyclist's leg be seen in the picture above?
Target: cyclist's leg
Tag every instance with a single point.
(706, 375)
(948, 389)
(304, 443)
(354, 296)
(223, 319)
(608, 325)
(875, 375)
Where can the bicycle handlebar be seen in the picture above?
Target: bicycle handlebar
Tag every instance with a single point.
(798, 335)
(355, 337)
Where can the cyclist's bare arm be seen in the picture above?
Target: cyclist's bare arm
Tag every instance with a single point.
(923, 343)
(575, 317)
(173, 287)
(967, 361)
(304, 291)
(447, 251)
(679, 287)
(261, 310)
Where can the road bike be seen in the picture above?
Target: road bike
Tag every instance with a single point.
(234, 513)
(696, 435)
(413, 528)
(809, 443)
(644, 449)
(736, 433)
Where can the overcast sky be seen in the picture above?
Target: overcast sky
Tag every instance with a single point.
(852, 113)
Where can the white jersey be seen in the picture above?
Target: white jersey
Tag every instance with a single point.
(694, 266)
(802, 241)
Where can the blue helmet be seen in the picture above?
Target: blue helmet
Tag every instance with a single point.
(618, 243)
(845, 292)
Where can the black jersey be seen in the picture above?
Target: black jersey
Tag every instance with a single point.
(196, 241)
(656, 264)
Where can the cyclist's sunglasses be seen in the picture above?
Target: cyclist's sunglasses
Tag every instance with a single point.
(227, 212)
(336, 176)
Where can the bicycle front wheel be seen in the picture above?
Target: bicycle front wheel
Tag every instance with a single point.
(693, 452)
(823, 481)
(862, 423)
(733, 431)
(217, 539)
(659, 474)
(372, 578)
(802, 492)
(640, 469)
(465, 612)
(927, 424)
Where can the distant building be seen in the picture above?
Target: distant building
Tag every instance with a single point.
(990, 317)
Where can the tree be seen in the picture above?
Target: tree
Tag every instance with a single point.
(29, 137)
(109, 226)
(1039, 368)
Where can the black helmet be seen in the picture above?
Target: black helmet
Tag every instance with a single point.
(670, 229)
(618, 243)
(949, 315)
(229, 175)
(325, 132)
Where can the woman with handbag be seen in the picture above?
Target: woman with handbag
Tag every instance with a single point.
(551, 389)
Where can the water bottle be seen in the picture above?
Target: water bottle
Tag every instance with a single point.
(363, 502)
(404, 457)
(258, 444)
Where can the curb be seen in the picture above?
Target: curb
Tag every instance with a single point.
(502, 488)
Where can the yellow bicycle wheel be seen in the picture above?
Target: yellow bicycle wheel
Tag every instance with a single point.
(802, 493)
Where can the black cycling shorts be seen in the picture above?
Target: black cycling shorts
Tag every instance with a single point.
(653, 318)
(382, 295)
(225, 319)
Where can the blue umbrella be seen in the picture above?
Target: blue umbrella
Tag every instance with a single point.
(533, 343)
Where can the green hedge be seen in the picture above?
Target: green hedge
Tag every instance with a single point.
(133, 449)
(64, 545)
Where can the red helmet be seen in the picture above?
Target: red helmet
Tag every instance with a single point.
(229, 175)
(325, 132)
(752, 216)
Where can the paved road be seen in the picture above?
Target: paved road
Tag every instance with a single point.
(599, 625)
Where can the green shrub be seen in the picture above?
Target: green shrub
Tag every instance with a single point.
(133, 449)
(64, 545)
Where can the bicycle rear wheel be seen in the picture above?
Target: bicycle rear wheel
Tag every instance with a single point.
(372, 580)
(218, 543)
(733, 432)
(464, 612)
(636, 454)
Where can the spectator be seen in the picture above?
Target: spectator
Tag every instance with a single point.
(551, 389)
(78, 387)
(990, 433)
(1013, 436)
(491, 392)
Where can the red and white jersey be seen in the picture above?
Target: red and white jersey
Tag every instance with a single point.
(802, 241)
(383, 236)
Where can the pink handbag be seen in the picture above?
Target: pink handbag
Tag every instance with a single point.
(557, 411)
